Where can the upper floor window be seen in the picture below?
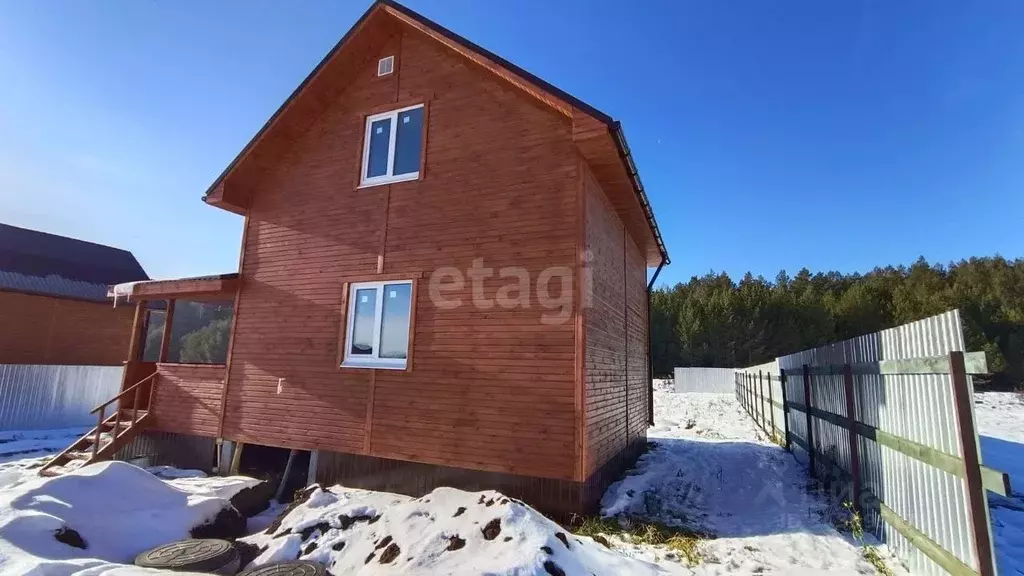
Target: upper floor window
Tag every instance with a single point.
(393, 146)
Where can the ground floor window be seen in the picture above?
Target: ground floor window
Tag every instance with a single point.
(199, 332)
(378, 324)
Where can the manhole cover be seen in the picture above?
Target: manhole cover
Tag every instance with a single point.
(294, 568)
(190, 555)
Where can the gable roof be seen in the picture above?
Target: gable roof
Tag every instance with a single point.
(539, 88)
(42, 263)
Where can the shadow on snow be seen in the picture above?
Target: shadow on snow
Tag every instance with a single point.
(727, 488)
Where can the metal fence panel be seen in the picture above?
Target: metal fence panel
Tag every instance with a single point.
(763, 395)
(714, 380)
(917, 407)
(38, 397)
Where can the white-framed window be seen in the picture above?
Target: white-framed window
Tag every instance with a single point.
(377, 331)
(385, 66)
(393, 146)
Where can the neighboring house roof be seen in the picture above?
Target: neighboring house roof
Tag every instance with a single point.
(542, 90)
(41, 263)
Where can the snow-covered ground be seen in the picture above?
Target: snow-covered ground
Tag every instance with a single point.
(709, 472)
(447, 531)
(712, 471)
(22, 444)
(1000, 417)
(117, 509)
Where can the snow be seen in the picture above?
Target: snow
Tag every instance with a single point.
(1000, 421)
(118, 509)
(21, 444)
(215, 487)
(196, 481)
(709, 472)
(16, 435)
(351, 532)
(124, 289)
(171, 473)
(1000, 418)
(712, 471)
(261, 521)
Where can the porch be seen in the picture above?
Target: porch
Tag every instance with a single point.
(175, 370)
(180, 337)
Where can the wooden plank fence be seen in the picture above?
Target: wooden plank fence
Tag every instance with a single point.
(886, 422)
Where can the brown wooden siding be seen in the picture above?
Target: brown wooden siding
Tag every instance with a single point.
(636, 341)
(615, 326)
(187, 399)
(490, 389)
(605, 325)
(47, 330)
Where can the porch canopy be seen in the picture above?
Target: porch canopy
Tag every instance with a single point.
(217, 287)
(151, 295)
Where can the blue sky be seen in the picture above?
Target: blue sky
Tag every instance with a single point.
(770, 135)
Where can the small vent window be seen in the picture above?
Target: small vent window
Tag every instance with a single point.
(386, 66)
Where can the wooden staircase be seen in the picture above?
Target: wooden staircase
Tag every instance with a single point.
(110, 434)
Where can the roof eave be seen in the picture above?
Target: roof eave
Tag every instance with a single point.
(627, 158)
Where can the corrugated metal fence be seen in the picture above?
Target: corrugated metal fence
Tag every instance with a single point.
(37, 397)
(718, 380)
(886, 421)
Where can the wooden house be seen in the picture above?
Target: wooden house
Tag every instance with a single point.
(442, 281)
(54, 307)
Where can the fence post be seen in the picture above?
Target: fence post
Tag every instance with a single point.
(753, 400)
(764, 404)
(851, 413)
(746, 391)
(807, 413)
(785, 408)
(980, 527)
(760, 400)
(747, 395)
(771, 405)
(747, 388)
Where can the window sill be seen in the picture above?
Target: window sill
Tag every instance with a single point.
(402, 178)
(374, 365)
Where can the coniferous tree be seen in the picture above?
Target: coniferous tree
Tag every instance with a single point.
(713, 321)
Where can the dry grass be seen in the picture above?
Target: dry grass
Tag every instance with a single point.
(871, 554)
(853, 524)
(686, 544)
(779, 439)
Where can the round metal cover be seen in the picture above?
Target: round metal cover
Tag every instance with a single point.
(293, 568)
(189, 555)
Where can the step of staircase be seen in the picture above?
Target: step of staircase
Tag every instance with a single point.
(102, 442)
